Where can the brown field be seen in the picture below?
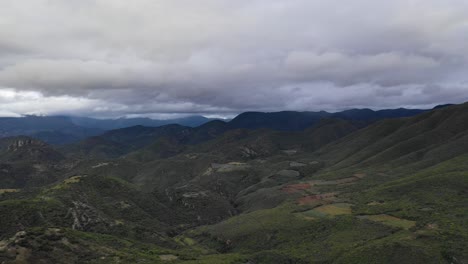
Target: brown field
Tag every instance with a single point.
(360, 175)
(314, 198)
(8, 190)
(307, 200)
(293, 188)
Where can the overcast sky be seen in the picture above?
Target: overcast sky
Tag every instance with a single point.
(110, 58)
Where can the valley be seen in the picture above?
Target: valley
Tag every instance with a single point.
(392, 189)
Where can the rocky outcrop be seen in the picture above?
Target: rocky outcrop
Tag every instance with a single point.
(85, 216)
(30, 149)
(25, 142)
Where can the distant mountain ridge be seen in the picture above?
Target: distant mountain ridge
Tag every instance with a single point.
(119, 142)
(52, 129)
(109, 124)
(59, 130)
(294, 121)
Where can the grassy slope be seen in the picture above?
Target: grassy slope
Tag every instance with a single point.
(416, 170)
(434, 198)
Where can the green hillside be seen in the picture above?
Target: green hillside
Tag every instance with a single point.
(341, 191)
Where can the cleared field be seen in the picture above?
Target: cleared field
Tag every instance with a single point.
(168, 257)
(314, 214)
(293, 188)
(230, 167)
(335, 182)
(67, 182)
(390, 220)
(329, 197)
(310, 199)
(2, 191)
(335, 209)
(329, 210)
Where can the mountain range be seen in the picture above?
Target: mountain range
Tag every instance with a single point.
(358, 186)
(60, 130)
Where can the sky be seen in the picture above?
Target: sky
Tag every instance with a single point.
(113, 58)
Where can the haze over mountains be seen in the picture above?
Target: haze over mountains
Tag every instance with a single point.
(353, 187)
(64, 129)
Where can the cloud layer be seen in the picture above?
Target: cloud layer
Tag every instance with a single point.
(146, 57)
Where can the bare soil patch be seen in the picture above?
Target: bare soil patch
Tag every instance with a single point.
(294, 188)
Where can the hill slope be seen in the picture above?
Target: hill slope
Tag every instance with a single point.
(341, 191)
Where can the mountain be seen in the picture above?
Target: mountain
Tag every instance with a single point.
(371, 115)
(26, 161)
(123, 141)
(353, 189)
(118, 142)
(427, 139)
(287, 120)
(60, 130)
(295, 121)
(52, 129)
(110, 124)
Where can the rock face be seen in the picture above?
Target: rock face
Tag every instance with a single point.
(248, 152)
(25, 142)
(30, 149)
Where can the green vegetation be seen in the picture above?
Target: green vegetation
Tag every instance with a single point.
(394, 191)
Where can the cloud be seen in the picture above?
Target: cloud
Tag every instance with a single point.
(385, 69)
(147, 57)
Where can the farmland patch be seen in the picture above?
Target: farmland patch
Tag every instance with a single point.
(390, 220)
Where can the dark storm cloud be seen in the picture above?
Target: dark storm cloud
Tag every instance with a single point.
(112, 58)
